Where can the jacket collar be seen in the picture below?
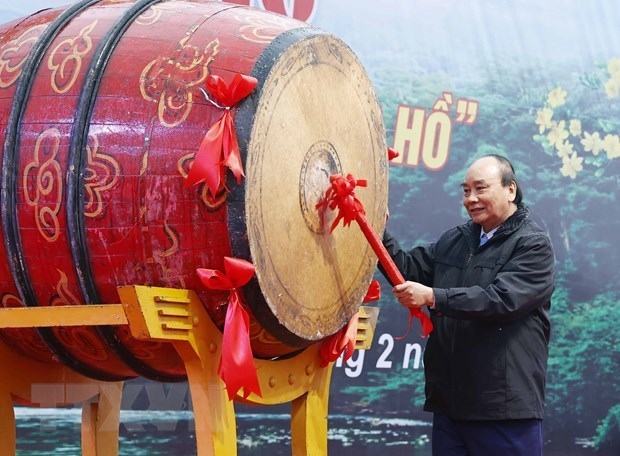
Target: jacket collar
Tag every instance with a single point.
(472, 230)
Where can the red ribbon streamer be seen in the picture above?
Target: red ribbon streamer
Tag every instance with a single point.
(374, 292)
(344, 340)
(220, 147)
(392, 153)
(236, 367)
(341, 194)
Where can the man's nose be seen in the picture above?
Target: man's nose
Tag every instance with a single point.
(471, 197)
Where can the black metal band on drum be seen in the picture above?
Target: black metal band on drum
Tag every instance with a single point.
(12, 239)
(75, 186)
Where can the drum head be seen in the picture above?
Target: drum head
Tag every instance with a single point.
(315, 115)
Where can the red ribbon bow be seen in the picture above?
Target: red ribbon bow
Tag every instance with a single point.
(344, 340)
(236, 367)
(341, 195)
(220, 148)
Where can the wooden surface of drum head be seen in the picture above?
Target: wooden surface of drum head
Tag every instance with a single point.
(316, 115)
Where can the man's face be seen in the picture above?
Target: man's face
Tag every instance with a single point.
(488, 203)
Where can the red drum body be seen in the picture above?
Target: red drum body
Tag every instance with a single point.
(101, 114)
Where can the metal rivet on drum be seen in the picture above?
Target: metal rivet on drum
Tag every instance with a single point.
(272, 382)
(195, 320)
(309, 369)
(291, 379)
(212, 347)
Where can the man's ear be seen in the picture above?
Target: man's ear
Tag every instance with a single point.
(512, 189)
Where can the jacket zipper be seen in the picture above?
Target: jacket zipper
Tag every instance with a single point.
(468, 262)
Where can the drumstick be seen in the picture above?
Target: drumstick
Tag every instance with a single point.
(340, 194)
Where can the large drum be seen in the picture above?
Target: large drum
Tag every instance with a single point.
(101, 114)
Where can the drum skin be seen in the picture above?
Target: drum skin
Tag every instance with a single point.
(101, 114)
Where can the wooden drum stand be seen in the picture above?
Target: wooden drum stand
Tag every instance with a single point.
(176, 316)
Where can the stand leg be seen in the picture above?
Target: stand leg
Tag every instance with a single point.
(214, 414)
(7, 425)
(178, 316)
(101, 422)
(53, 385)
(309, 417)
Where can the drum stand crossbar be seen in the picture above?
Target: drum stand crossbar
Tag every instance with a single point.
(176, 316)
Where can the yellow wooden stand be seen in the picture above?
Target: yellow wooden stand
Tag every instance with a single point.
(176, 316)
(47, 385)
(52, 385)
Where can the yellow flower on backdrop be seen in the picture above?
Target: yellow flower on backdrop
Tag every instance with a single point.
(555, 135)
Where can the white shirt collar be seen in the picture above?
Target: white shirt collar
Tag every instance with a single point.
(490, 233)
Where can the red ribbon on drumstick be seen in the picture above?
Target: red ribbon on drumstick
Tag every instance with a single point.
(220, 148)
(236, 367)
(341, 195)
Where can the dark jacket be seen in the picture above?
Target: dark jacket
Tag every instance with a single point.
(486, 358)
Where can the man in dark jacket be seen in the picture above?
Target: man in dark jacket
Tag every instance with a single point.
(488, 285)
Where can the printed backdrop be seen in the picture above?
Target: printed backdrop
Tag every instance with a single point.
(536, 81)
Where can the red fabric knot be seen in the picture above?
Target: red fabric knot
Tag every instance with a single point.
(236, 368)
(220, 147)
(340, 194)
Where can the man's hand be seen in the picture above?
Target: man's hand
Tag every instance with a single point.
(413, 294)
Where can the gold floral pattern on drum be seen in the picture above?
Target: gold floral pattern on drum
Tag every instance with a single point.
(183, 166)
(102, 172)
(25, 340)
(63, 296)
(154, 13)
(10, 300)
(82, 339)
(43, 186)
(170, 81)
(14, 53)
(173, 236)
(161, 258)
(66, 59)
(260, 334)
(262, 29)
